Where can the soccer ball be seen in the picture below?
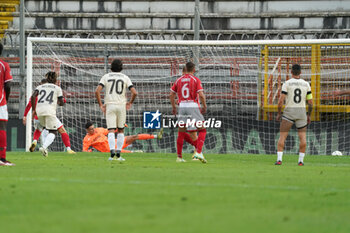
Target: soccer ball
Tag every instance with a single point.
(337, 153)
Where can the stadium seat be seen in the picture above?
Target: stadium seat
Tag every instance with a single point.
(6, 9)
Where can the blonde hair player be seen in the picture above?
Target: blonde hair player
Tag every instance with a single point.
(295, 92)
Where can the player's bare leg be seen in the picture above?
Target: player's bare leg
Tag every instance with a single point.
(66, 140)
(284, 130)
(180, 143)
(302, 145)
(130, 139)
(3, 145)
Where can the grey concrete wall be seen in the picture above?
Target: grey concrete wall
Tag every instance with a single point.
(188, 6)
(152, 21)
(174, 19)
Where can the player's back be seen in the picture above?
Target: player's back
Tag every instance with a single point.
(296, 91)
(116, 84)
(48, 95)
(5, 76)
(187, 87)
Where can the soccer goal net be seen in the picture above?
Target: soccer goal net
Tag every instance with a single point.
(242, 82)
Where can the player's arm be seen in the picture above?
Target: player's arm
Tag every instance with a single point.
(86, 146)
(133, 96)
(310, 105)
(33, 99)
(60, 101)
(309, 110)
(28, 107)
(98, 97)
(26, 110)
(8, 79)
(7, 88)
(203, 101)
(280, 105)
(172, 97)
(341, 92)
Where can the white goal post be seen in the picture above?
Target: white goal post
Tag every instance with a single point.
(242, 81)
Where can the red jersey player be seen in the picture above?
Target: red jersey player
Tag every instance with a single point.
(5, 79)
(189, 91)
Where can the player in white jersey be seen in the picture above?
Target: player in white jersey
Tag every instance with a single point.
(49, 95)
(296, 92)
(115, 104)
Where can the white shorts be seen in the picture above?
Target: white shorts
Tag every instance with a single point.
(4, 116)
(115, 116)
(190, 111)
(296, 116)
(50, 122)
(38, 126)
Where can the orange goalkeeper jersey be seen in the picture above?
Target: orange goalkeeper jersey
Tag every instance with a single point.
(99, 141)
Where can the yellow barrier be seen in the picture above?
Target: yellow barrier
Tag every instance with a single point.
(310, 56)
(7, 7)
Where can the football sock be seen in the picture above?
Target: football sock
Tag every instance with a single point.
(48, 140)
(3, 144)
(65, 139)
(111, 141)
(44, 134)
(145, 136)
(301, 157)
(189, 140)
(279, 155)
(200, 140)
(112, 153)
(120, 142)
(36, 135)
(180, 143)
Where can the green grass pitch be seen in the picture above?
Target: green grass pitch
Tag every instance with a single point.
(152, 193)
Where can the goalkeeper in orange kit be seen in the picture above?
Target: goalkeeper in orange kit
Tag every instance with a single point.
(96, 138)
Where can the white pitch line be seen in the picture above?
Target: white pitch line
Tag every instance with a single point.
(198, 184)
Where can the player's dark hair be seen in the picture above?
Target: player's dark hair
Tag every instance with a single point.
(1, 48)
(190, 67)
(296, 69)
(51, 77)
(88, 124)
(117, 65)
(43, 81)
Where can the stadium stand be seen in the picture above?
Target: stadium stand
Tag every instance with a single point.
(221, 20)
(7, 7)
